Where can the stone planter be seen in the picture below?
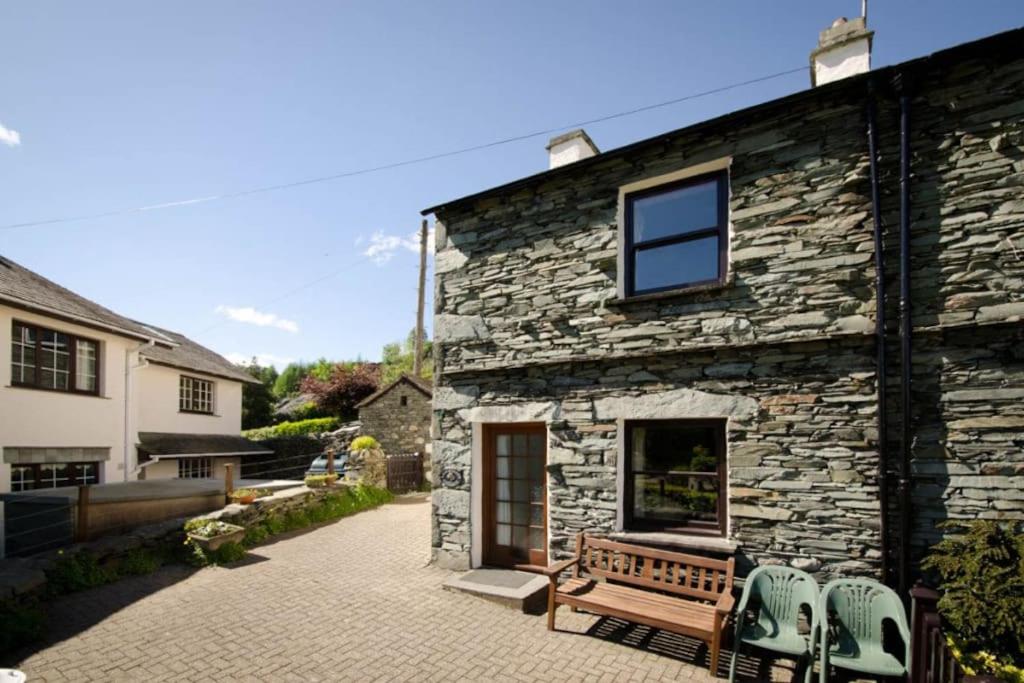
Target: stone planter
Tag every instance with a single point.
(235, 535)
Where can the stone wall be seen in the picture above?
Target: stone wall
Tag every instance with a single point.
(529, 325)
(399, 428)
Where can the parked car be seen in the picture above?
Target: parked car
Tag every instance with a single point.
(319, 466)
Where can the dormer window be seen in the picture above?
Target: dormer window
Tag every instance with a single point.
(195, 395)
(677, 234)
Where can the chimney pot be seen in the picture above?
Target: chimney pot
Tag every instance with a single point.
(570, 147)
(844, 49)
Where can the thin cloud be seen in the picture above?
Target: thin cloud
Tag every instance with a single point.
(383, 247)
(9, 136)
(250, 316)
(263, 359)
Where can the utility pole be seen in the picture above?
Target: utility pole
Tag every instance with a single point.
(417, 362)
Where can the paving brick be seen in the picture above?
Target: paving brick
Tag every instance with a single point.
(350, 601)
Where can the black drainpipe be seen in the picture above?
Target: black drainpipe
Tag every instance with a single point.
(906, 328)
(880, 361)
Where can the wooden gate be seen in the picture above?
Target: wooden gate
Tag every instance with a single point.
(405, 472)
(930, 658)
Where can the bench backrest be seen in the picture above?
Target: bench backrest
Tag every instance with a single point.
(691, 575)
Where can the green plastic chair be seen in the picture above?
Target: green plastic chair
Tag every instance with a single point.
(781, 591)
(851, 613)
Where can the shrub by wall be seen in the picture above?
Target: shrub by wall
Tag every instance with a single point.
(297, 428)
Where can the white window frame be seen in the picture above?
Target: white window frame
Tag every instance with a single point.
(196, 395)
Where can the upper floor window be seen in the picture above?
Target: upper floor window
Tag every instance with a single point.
(677, 234)
(675, 470)
(47, 359)
(195, 395)
(403, 401)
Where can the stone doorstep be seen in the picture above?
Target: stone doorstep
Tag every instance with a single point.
(524, 591)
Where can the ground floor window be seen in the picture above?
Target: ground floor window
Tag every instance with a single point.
(53, 474)
(195, 468)
(675, 473)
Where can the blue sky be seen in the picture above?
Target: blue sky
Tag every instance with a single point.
(127, 104)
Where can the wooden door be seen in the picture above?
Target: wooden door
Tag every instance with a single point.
(515, 494)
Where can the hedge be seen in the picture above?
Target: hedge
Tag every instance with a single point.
(300, 428)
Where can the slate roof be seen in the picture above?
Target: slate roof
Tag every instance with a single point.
(188, 355)
(423, 385)
(23, 288)
(165, 444)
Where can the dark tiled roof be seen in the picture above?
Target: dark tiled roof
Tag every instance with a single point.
(161, 443)
(188, 355)
(22, 288)
(423, 385)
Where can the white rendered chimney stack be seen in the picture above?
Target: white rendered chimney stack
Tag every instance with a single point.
(844, 49)
(570, 147)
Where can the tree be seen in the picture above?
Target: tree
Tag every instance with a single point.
(258, 399)
(397, 359)
(347, 385)
(290, 379)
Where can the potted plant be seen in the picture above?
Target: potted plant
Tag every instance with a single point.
(210, 534)
(247, 496)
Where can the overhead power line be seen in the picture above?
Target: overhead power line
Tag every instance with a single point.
(398, 164)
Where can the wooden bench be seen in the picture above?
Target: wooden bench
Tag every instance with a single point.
(680, 593)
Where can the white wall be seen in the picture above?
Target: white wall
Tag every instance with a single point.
(156, 401)
(40, 418)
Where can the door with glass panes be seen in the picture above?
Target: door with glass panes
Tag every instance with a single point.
(515, 495)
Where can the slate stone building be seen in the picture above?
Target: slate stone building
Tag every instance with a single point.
(679, 342)
(398, 415)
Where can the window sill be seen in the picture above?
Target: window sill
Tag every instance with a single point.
(714, 544)
(65, 392)
(671, 293)
(198, 412)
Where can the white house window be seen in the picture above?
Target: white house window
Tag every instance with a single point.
(677, 234)
(85, 365)
(46, 359)
(195, 395)
(195, 468)
(53, 474)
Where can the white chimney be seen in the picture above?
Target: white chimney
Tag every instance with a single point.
(570, 147)
(844, 49)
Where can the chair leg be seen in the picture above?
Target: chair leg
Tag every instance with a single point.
(735, 656)
(808, 661)
(551, 607)
(716, 645)
(823, 674)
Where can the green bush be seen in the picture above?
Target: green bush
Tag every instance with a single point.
(981, 575)
(20, 624)
(348, 500)
(315, 481)
(297, 428)
(71, 573)
(138, 562)
(364, 443)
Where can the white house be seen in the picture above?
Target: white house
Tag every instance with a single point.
(89, 396)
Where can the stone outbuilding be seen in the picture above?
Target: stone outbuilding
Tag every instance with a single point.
(398, 415)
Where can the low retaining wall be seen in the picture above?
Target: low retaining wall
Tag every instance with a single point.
(26, 577)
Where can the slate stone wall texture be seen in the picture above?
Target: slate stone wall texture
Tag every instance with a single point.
(398, 428)
(528, 318)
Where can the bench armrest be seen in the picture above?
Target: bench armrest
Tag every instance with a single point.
(725, 603)
(553, 570)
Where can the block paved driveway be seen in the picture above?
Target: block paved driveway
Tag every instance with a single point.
(350, 601)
